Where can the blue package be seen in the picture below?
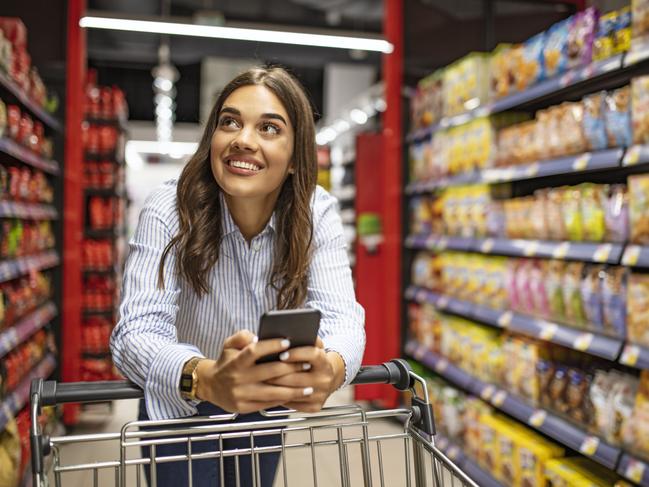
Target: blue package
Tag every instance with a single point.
(593, 123)
(591, 296)
(618, 118)
(555, 53)
(614, 286)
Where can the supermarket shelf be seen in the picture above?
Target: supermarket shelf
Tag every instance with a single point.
(584, 341)
(31, 211)
(26, 327)
(605, 253)
(542, 420)
(634, 469)
(635, 356)
(17, 151)
(587, 161)
(10, 269)
(417, 187)
(465, 463)
(19, 397)
(636, 256)
(28, 103)
(535, 93)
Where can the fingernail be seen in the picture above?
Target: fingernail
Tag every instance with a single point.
(307, 391)
(283, 356)
(286, 343)
(255, 339)
(306, 366)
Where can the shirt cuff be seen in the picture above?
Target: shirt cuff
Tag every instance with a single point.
(162, 388)
(348, 354)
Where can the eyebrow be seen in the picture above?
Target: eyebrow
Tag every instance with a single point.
(270, 115)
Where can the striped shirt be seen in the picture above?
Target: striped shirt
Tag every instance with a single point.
(159, 330)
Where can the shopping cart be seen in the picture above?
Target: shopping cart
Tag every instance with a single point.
(325, 443)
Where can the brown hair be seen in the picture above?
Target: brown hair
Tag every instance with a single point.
(198, 240)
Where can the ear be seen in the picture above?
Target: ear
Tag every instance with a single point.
(291, 170)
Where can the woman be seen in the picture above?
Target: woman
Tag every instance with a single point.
(244, 230)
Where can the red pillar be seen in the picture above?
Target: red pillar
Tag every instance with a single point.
(73, 201)
(392, 177)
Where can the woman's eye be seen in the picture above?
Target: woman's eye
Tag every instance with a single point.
(228, 122)
(270, 128)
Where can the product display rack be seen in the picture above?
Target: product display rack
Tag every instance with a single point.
(612, 164)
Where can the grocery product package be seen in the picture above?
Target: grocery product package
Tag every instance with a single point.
(638, 309)
(640, 109)
(581, 37)
(604, 44)
(639, 208)
(530, 69)
(614, 295)
(594, 124)
(639, 18)
(502, 71)
(555, 53)
(622, 31)
(637, 430)
(618, 117)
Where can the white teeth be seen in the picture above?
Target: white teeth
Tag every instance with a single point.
(244, 165)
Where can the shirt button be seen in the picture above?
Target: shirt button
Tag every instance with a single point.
(256, 246)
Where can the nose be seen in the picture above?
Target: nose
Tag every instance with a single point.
(245, 140)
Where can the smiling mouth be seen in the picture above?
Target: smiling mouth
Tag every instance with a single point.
(248, 166)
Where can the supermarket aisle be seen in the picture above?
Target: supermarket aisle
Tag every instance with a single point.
(299, 462)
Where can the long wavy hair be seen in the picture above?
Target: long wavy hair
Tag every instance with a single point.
(198, 241)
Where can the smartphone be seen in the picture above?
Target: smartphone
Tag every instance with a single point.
(300, 326)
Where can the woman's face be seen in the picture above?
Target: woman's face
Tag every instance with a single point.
(252, 145)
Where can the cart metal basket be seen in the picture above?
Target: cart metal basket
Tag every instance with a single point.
(314, 449)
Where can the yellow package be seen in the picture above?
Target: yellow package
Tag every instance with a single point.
(533, 451)
(489, 456)
(508, 467)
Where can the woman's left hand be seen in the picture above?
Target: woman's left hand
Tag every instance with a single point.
(325, 375)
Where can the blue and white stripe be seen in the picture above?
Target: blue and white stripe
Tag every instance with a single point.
(159, 330)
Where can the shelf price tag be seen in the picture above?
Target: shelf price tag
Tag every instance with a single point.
(548, 330)
(635, 471)
(441, 365)
(453, 452)
(602, 253)
(632, 156)
(487, 392)
(581, 162)
(421, 295)
(487, 246)
(442, 302)
(420, 352)
(561, 251)
(631, 255)
(630, 355)
(538, 418)
(442, 443)
(532, 170)
(505, 319)
(530, 248)
(589, 445)
(583, 341)
(442, 243)
(431, 242)
(499, 398)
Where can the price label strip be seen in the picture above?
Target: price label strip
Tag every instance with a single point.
(548, 330)
(561, 251)
(532, 170)
(442, 302)
(635, 471)
(589, 445)
(581, 163)
(505, 319)
(602, 253)
(499, 398)
(632, 157)
(583, 342)
(487, 246)
(530, 249)
(487, 392)
(538, 418)
(453, 452)
(441, 365)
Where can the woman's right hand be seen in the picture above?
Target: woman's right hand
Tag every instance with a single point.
(237, 384)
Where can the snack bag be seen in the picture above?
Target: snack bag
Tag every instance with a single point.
(533, 452)
(599, 393)
(604, 45)
(622, 400)
(593, 202)
(555, 52)
(581, 37)
(502, 74)
(639, 18)
(591, 295)
(578, 403)
(638, 309)
(640, 109)
(617, 214)
(622, 31)
(639, 208)
(614, 292)
(541, 305)
(593, 123)
(572, 218)
(530, 70)
(572, 294)
(638, 428)
(554, 271)
(618, 117)
(554, 214)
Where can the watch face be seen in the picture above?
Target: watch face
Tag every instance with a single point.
(186, 383)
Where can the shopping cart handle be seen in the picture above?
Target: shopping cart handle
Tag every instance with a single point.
(395, 372)
(52, 393)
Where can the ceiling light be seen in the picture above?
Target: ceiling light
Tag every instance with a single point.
(258, 35)
(358, 116)
(341, 125)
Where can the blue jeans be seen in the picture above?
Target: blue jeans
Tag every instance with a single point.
(206, 472)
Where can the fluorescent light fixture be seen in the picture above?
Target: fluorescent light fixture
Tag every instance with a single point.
(341, 125)
(236, 33)
(358, 116)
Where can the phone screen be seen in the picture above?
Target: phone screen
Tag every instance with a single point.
(300, 326)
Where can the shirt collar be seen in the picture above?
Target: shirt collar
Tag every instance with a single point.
(229, 226)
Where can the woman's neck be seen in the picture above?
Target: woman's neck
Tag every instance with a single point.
(251, 215)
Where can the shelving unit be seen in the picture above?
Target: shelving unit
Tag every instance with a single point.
(611, 165)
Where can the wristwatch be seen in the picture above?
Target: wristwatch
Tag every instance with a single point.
(189, 379)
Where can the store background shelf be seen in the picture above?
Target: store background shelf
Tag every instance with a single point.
(577, 339)
(540, 419)
(28, 103)
(10, 269)
(31, 211)
(27, 156)
(465, 463)
(26, 327)
(19, 397)
(634, 469)
(635, 356)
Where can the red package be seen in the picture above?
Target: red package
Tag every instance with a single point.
(106, 96)
(26, 130)
(13, 121)
(14, 30)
